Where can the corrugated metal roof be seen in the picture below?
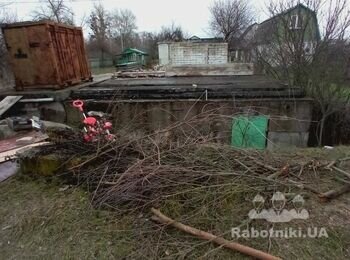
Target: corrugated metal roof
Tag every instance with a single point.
(34, 23)
(133, 50)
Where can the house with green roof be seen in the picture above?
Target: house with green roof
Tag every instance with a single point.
(131, 58)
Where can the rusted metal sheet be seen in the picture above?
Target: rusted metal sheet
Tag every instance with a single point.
(46, 55)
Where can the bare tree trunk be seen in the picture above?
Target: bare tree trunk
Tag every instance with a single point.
(122, 42)
(102, 55)
(320, 135)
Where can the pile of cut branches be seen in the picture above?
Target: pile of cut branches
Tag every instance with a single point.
(143, 170)
(183, 170)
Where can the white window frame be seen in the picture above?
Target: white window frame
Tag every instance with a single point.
(295, 25)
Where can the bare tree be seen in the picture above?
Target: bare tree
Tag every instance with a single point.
(229, 18)
(149, 42)
(54, 10)
(100, 26)
(5, 71)
(326, 80)
(172, 32)
(286, 44)
(291, 47)
(124, 25)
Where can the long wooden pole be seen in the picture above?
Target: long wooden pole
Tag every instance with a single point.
(332, 194)
(160, 217)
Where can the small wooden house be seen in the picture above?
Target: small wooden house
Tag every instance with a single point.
(131, 58)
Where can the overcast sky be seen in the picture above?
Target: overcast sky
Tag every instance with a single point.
(192, 15)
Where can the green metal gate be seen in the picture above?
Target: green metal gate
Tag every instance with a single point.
(249, 132)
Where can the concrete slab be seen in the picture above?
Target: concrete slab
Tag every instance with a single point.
(211, 70)
(8, 169)
(204, 87)
(254, 81)
(7, 103)
(57, 95)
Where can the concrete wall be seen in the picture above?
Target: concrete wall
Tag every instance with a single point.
(192, 53)
(163, 53)
(289, 119)
(199, 59)
(228, 69)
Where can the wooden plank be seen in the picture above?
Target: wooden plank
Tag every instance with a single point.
(11, 143)
(7, 103)
(12, 154)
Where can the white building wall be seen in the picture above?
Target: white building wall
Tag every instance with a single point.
(192, 53)
(218, 53)
(163, 52)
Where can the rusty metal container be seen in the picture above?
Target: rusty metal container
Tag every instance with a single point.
(46, 55)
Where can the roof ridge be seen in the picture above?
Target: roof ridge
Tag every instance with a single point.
(287, 11)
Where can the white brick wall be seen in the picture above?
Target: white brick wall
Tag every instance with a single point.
(163, 50)
(194, 53)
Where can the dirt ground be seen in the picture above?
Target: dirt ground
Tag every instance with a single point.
(45, 219)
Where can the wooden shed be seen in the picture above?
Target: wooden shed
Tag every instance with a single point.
(131, 58)
(46, 55)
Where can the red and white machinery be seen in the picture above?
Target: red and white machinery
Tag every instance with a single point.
(96, 126)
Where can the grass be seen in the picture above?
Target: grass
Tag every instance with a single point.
(97, 71)
(38, 221)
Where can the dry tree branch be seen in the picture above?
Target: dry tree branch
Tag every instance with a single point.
(161, 218)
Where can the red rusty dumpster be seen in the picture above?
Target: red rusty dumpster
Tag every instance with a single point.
(46, 55)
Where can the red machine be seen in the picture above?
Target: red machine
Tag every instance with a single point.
(95, 124)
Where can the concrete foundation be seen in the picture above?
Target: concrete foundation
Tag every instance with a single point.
(151, 104)
(287, 139)
(289, 120)
(228, 69)
(54, 111)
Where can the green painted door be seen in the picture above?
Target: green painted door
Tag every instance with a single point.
(249, 132)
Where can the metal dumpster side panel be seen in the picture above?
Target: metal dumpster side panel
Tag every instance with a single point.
(43, 69)
(69, 49)
(82, 57)
(28, 51)
(46, 55)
